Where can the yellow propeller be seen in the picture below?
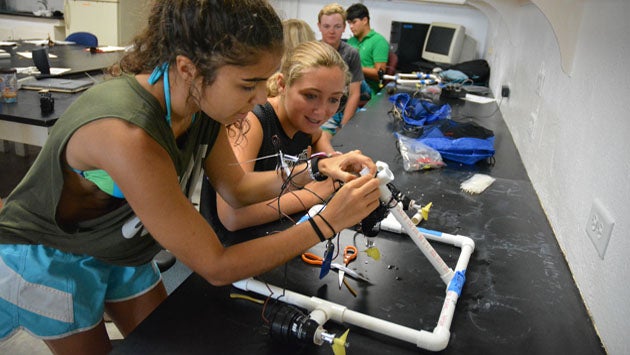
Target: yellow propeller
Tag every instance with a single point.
(424, 211)
(339, 344)
(373, 253)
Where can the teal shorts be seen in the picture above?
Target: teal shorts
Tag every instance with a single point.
(333, 124)
(53, 294)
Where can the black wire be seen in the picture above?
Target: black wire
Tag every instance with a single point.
(481, 117)
(284, 189)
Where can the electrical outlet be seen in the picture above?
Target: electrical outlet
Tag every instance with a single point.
(505, 91)
(599, 227)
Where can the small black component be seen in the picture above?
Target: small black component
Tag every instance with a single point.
(289, 325)
(453, 91)
(370, 226)
(399, 196)
(46, 102)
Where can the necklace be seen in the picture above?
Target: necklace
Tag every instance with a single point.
(157, 73)
(162, 71)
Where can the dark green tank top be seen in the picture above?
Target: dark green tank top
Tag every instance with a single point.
(28, 216)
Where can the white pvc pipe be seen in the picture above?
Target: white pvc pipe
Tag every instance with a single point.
(418, 238)
(385, 176)
(413, 78)
(322, 310)
(417, 218)
(435, 341)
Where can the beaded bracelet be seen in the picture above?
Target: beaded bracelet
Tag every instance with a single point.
(317, 230)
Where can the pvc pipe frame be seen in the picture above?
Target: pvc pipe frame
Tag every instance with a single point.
(413, 78)
(322, 310)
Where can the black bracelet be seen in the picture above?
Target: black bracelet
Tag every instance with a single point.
(317, 230)
(328, 224)
(315, 174)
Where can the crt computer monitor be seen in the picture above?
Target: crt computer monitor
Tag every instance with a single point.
(407, 40)
(444, 43)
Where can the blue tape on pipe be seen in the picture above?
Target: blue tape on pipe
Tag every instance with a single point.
(457, 282)
(429, 231)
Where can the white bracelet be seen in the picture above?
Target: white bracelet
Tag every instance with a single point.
(316, 175)
(310, 170)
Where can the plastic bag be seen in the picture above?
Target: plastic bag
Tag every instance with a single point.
(418, 112)
(466, 143)
(453, 76)
(430, 124)
(417, 155)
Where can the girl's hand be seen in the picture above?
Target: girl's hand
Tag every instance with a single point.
(353, 202)
(346, 167)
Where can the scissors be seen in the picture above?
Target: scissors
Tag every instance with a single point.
(349, 253)
(313, 259)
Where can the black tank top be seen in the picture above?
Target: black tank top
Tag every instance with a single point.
(274, 140)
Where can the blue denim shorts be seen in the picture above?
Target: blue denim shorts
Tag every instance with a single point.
(53, 294)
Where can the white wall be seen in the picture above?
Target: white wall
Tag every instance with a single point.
(20, 27)
(572, 132)
(570, 129)
(382, 13)
(33, 5)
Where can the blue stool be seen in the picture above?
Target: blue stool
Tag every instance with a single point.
(83, 38)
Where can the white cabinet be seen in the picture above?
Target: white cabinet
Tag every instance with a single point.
(114, 22)
(22, 27)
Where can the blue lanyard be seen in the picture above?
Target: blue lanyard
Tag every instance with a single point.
(157, 73)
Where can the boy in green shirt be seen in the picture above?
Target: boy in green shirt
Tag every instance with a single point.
(372, 46)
